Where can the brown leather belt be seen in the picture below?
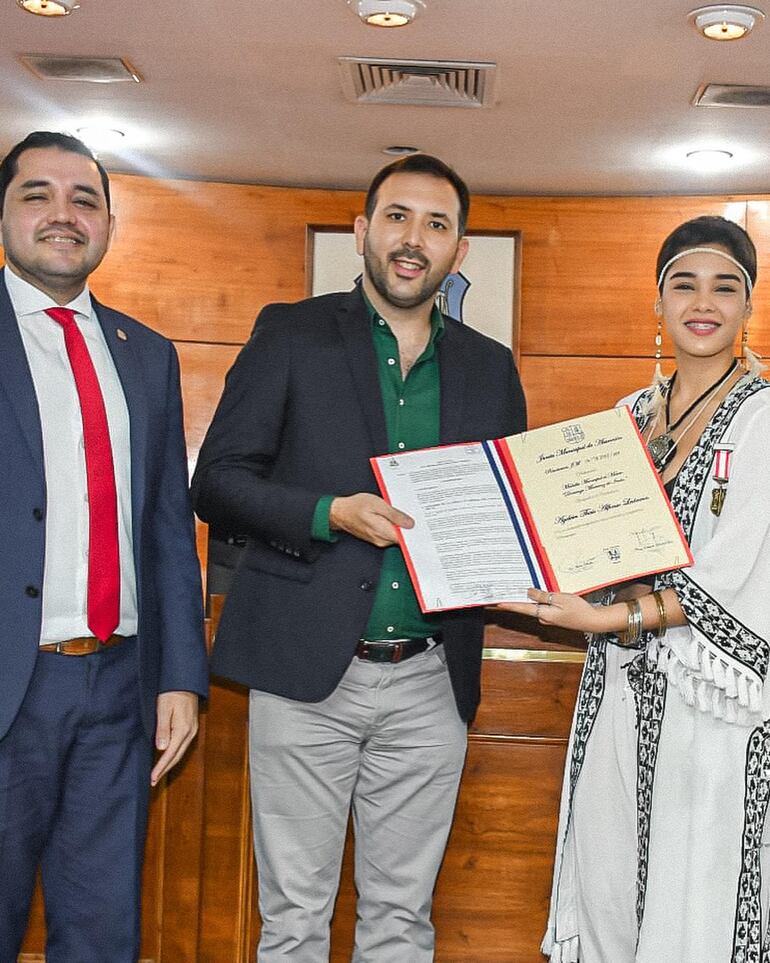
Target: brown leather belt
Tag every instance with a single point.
(82, 646)
(396, 651)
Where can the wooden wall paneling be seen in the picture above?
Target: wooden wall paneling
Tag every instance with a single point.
(196, 261)
(34, 941)
(558, 388)
(589, 266)
(528, 698)
(344, 920)
(492, 895)
(226, 925)
(758, 226)
(203, 368)
(181, 873)
(216, 253)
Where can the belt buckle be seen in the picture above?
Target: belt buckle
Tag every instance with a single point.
(398, 651)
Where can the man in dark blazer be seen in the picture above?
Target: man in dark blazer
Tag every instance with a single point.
(101, 648)
(356, 695)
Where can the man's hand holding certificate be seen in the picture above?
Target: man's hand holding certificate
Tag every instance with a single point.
(566, 508)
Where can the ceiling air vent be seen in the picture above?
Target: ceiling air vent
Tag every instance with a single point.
(428, 83)
(92, 70)
(732, 95)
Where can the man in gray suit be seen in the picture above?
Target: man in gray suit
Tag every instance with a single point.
(356, 695)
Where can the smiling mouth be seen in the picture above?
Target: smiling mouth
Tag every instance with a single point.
(702, 327)
(408, 267)
(61, 239)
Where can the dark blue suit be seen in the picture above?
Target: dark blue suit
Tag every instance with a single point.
(167, 654)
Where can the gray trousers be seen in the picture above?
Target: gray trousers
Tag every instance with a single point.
(389, 742)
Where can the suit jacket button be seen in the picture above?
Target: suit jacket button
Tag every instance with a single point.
(37, 514)
(32, 592)
(366, 585)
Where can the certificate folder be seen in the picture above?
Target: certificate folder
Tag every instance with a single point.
(570, 507)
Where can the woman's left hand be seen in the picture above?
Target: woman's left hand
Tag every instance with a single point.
(559, 608)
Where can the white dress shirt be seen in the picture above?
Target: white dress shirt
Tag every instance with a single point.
(65, 578)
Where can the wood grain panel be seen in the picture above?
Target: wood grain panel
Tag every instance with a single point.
(197, 261)
(527, 699)
(203, 368)
(34, 941)
(177, 900)
(216, 253)
(588, 265)
(491, 899)
(492, 895)
(505, 630)
(226, 908)
(561, 388)
(758, 226)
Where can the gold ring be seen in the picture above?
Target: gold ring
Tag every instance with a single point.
(549, 599)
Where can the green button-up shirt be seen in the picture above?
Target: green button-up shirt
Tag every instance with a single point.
(412, 416)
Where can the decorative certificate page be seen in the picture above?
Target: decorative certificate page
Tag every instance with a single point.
(593, 502)
(571, 507)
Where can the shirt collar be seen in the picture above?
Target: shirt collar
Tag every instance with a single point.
(436, 318)
(27, 299)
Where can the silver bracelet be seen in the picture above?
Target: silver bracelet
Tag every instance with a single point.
(634, 625)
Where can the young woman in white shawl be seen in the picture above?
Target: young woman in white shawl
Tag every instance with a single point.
(662, 853)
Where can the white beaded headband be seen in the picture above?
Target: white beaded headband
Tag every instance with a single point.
(707, 250)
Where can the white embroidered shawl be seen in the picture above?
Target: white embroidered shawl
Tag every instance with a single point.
(720, 661)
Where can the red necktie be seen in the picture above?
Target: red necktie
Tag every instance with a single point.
(103, 561)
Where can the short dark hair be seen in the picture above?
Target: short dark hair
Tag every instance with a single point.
(705, 231)
(421, 164)
(47, 138)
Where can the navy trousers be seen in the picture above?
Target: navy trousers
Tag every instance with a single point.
(74, 790)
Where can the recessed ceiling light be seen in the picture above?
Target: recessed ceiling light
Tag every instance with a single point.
(49, 8)
(387, 13)
(398, 151)
(725, 21)
(708, 160)
(100, 138)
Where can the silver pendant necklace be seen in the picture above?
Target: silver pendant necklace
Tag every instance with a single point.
(663, 446)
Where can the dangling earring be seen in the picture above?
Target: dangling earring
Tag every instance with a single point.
(752, 362)
(657, 378)
(656, 399)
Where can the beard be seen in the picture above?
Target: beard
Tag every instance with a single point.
(377, 272)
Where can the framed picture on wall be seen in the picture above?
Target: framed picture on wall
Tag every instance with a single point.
(483, 294)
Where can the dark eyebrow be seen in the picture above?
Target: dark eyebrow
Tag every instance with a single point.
(82, 188)
(403, 207)
(87, 189)
(721, 277)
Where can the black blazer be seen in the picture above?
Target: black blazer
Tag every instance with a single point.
(300, 416)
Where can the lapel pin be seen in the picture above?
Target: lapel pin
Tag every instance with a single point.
(121, 334)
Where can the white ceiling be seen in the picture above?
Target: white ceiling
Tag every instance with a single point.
(592, 97)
